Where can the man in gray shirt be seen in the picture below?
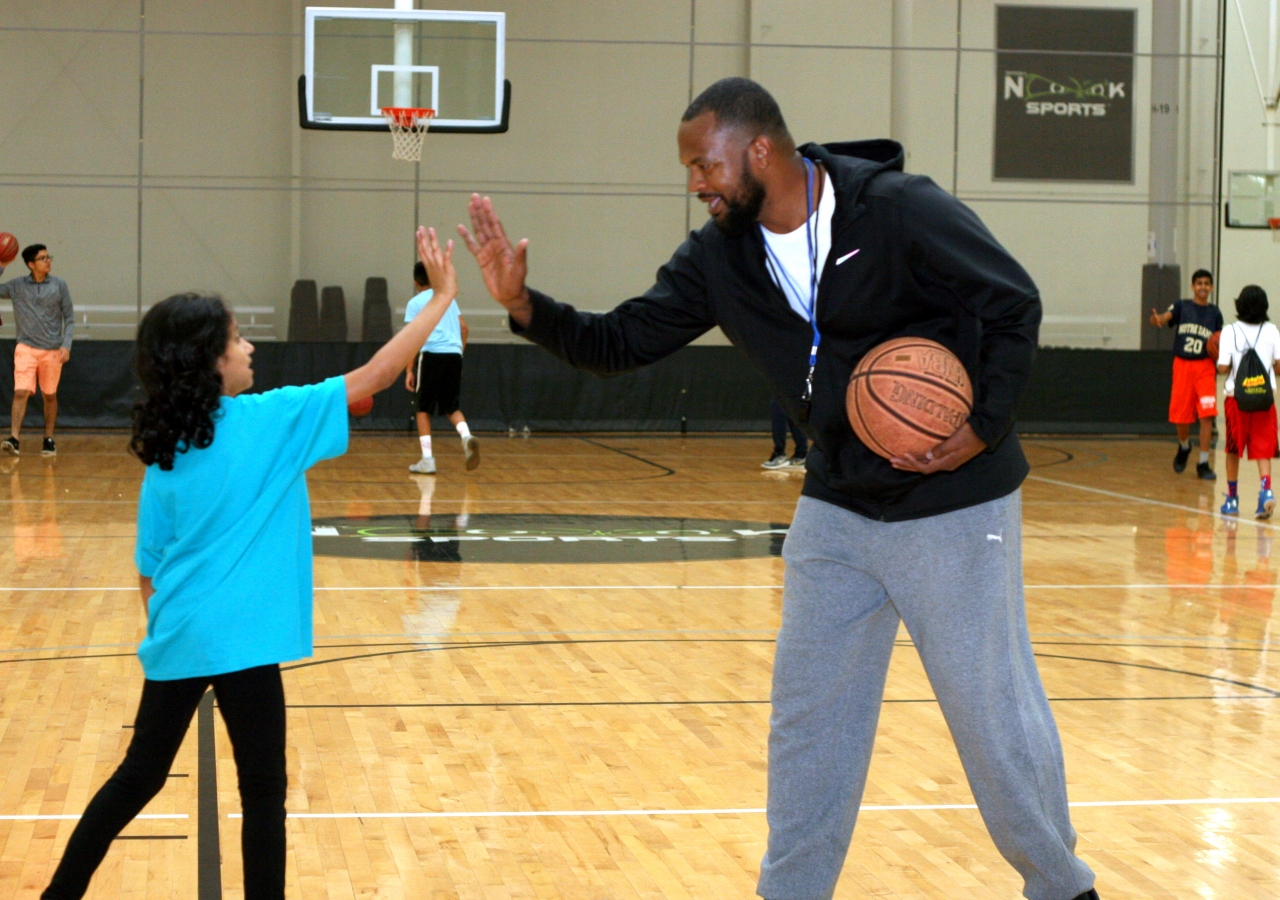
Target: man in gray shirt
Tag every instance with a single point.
(44, 318)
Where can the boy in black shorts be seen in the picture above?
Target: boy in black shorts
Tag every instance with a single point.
(436, 376)
(1195, 381)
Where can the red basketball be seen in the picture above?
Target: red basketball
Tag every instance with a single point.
(907, 396)
(8, 248)
(361, 407)
(1212, 345)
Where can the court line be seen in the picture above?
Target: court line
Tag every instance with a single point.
(427, 588)
(1136, 499)
(753, 810)
(68, 818)
(553, 704)
(434, 637)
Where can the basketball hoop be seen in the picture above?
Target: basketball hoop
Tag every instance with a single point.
(408, 128)
(1274, 224)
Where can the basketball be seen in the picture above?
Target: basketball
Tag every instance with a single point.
(361, 407)
(1212, 345)
(908, 395)
(8, 248)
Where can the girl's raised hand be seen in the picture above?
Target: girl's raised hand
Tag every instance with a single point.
(439, 263)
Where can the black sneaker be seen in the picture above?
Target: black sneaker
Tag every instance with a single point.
(1180, 461)
(10, 446)
(1090, 894)
(48, 448)
(1204, 473)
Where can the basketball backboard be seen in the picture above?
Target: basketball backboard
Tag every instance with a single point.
(358, 60)
(1252, 199)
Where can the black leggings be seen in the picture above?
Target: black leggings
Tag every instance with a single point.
(252, 705)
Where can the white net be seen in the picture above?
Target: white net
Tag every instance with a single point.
(408, 128)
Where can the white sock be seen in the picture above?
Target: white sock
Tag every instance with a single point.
(425, 441)
(1185, 445)
(463, 429)
(427, 491)
(1204, 456)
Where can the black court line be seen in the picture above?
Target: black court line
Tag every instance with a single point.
(503, 644)
(493, 645)
(666, 471)
(208, 851)
(419, 647)
(490, 645)
(1131, 665)
(578, 703)
(1067, 456)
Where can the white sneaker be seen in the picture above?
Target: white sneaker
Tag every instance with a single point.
(424, 466)
(777, 461)
(796, 462)
(471, 448)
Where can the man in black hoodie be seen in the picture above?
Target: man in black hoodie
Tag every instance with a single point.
(813, 256)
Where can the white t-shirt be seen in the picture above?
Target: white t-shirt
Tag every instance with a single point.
(791, 250)
(1239, 337)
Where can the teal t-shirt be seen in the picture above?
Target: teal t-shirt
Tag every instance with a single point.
(445, 337)
(225, 535)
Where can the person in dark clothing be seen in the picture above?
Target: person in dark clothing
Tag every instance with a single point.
(813, 256)
(779, 424)
(1194, 394)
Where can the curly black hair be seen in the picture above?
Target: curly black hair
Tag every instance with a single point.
(1251, 305)
(176, 356)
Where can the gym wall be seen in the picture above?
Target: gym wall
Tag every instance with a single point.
(162, 152)
(1249, 256)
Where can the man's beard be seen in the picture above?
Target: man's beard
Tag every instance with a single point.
(741, 215)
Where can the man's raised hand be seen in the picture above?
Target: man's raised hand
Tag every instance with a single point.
(503, 267)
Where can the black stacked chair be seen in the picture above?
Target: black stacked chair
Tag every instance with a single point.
(333, 314)
(304, 312)
(375, 325)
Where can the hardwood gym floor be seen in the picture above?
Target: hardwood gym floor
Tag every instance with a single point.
(522, 725)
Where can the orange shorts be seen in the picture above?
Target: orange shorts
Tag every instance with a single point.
(1195, 391)
(30, 365)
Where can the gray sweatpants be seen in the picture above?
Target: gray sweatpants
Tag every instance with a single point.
(955, 580)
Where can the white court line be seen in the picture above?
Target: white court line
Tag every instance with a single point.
(564, 587)
(434, 588)
(1206, 587)
(71, 817)
(1136, 499)
(911, 807)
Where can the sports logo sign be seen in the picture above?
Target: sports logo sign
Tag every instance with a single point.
(1064, 93)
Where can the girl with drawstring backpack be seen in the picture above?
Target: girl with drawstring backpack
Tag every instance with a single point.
(1248, 354)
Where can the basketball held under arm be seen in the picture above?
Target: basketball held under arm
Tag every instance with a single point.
(396, 355)
(947, 244)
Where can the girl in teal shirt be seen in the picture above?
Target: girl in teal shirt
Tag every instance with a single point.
(224, 557)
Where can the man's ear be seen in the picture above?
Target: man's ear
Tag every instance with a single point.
(761, 153)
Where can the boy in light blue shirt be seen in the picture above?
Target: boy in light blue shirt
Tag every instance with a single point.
(436, 376)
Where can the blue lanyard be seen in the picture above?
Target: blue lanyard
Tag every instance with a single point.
(811, 236)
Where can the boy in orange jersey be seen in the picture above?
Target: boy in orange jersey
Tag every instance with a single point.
(1195, 384)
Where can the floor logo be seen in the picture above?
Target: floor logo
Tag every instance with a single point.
(545, 538)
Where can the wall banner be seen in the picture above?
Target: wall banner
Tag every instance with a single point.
(1064, 93)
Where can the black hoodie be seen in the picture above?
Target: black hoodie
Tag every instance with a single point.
(925, 266)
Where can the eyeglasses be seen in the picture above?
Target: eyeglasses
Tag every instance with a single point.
(43, 259)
